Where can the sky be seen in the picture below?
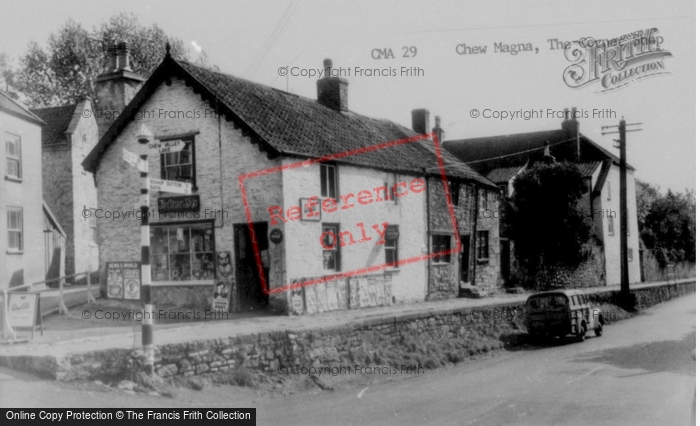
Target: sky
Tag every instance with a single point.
(254, 39)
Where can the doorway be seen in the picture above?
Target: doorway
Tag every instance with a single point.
(464, 264)
(250, 294)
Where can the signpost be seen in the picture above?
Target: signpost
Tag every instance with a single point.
(135, 161)
(170, 186)
(166, 147)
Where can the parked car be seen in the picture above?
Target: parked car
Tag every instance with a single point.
(559, 313)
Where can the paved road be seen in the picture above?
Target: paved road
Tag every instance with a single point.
(639, 373)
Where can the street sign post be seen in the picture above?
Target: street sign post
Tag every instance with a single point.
(135, 161)
(170, 186)
(165, 147)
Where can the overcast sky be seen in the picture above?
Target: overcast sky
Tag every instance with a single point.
(254, 39)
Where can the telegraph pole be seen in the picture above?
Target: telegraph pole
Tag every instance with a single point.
(624, 262)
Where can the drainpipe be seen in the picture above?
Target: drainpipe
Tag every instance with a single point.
(430, 259)
(474, 236)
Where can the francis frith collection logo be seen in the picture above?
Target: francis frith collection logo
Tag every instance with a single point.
(615, 63)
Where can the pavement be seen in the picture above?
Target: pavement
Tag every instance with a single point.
(72, 333)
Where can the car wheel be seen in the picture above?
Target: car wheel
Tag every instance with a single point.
(581, 336)
(599, 330)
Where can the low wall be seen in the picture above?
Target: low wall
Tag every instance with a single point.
(428, 339)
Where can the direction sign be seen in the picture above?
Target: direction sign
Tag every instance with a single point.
(134, 160)
(170, 186)
(164, 147)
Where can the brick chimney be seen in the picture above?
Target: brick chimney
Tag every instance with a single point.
(115, 87)
(420, 120)
(570, 124)
(438, 130)
(332, 92)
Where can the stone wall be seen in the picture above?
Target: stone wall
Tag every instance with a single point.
(590, 273)
(356, 343)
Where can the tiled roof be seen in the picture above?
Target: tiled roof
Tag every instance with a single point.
(296, 125)
(292, 125)
(587, 169)
(487, 153)
(504, 174)
(57, 120)
(11, 106)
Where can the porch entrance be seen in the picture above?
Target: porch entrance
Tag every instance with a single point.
(250, 294)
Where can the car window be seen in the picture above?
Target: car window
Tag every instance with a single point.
(557, 302)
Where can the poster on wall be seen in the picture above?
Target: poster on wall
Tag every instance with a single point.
(298, 297)
(223, 289)
(124, 280)
(221, 297)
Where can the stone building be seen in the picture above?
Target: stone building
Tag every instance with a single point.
(291, 190)
(69, 190)
(31, 239)
(502, 158)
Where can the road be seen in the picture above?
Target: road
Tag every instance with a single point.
(639, 373)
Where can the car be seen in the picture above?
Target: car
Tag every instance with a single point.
(558, 313)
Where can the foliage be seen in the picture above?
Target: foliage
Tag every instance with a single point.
(546, 223)
(668, 229)
(75, 56)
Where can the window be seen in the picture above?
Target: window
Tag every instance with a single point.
(454, 192)
(331, 247)
(482, 247)
(180, 165)
(483, 199)
(609, 191)
(391, 246)
(504, 191)
(15, 239)
(630, 255)
(611, 226)
(13, 154)
(92, 223)
(329, 184)
(182, 252)
(442, 243)
(391, 180)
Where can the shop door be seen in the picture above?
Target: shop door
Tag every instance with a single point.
(250, 294)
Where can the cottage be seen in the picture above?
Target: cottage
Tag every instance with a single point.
(31, 239)
(70, 192)
(502, 158)
(264, 160)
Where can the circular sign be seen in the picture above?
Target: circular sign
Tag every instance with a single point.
(276, 236)
(392, 233)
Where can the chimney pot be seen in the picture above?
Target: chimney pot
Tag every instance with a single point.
(111, 56)
(438, 130)
(420, 120)
(123, 56)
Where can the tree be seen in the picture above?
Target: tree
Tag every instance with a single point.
(670, 228)
(546, 223)
(74, 57)
(7, 76)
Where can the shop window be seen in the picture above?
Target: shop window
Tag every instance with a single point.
(182, 252)
(329, 181)
(482, 245)
(442, 243)
(15, 233)
(13, 156)
(331, 247)
(391, 245)
(180, 165)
